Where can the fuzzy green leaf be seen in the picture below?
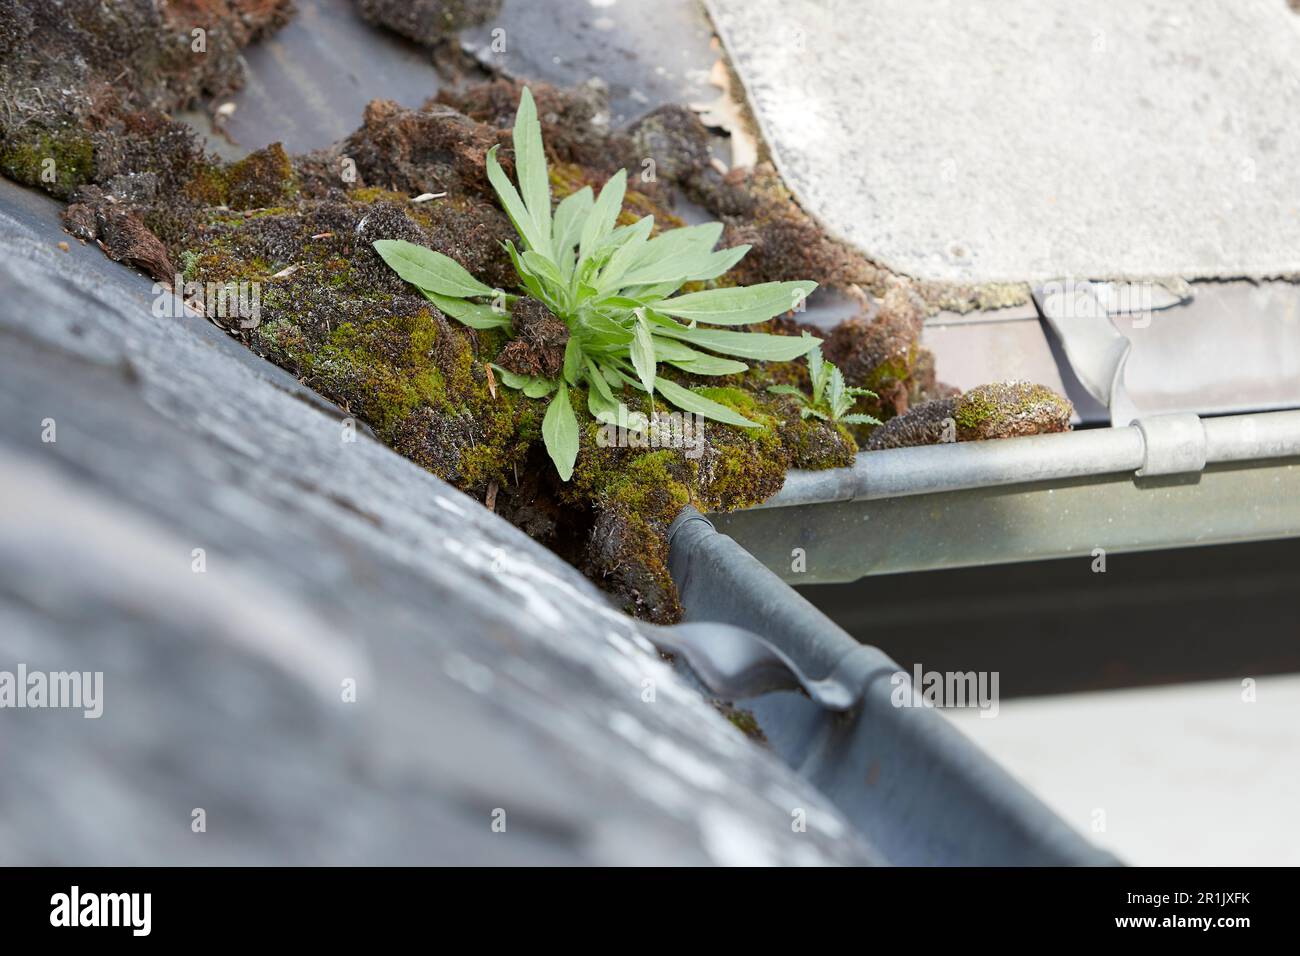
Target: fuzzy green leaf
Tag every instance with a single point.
(596, 378)
(530, 281)
(674, 254)
(604, 331)
(818, 371)
(530, 167)
(546, 270)
(532, 386)
(836, 400)
(540, 387)
(742, 305)
(602, 408)
(643, 353)
(570, 215)
(616, 268)
(667, 349)
(511, 379)
(719, 263)
(600, 222)
(573, 361)
(689, 401)
(560, 433)
(708, 365)
(473, 314)
(791, 390)
(753, 345)
(514, 206)
(430, 270)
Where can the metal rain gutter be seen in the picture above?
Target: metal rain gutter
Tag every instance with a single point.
(837, 712)
(1164, 481)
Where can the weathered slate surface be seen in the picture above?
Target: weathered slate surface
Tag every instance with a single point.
(489, 675)
(309, 82)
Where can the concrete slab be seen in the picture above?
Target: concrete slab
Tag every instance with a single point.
(1034, 139)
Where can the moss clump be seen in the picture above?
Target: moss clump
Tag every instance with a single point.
(568, 178)
(575, 122)
(743, 720)
(55, 160)
(1010, 409)
(929, 423)
(634, 498)
(261, 179)
(342, 322)
(339, 319)
(1005, 410)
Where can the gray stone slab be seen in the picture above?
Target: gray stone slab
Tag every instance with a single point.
(308, 83)
(1034, 139)
(489, 674)
(648, 52)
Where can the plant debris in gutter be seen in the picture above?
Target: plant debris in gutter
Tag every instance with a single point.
(300, 229)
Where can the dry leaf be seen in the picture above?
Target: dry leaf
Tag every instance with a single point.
(725, 113)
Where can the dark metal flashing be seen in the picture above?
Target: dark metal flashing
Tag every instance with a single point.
(915, 787)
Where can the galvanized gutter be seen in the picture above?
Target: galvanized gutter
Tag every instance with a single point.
(915, 787)
(1164, 481)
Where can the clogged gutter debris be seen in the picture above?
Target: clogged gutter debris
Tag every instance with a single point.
(458, 390)
(598, 309)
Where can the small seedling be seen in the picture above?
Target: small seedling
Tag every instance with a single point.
(831, 398)
(614, 287)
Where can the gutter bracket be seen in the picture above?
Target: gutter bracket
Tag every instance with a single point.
(1172, 444)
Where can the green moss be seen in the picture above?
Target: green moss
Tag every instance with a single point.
(569, 178)
(738, 400)
(188, 262)
(348, 328)
(649, 484)
(745, 722)
(369, 194)
(209, 186)
(262, 180)
(1009, 409)
(975, 410)
(896, 368)
(27, 160)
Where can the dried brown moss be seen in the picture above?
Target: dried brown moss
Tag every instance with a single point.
(85, 86)
(1002, 410)
(539, 341)
(575, 122)
(928, 423)
(881, 350)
